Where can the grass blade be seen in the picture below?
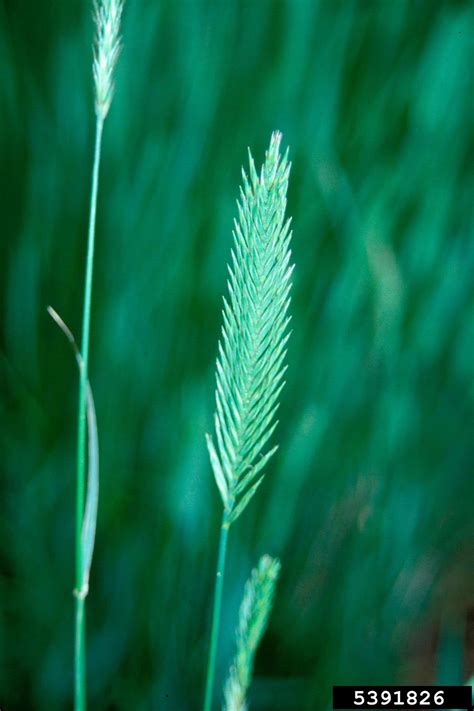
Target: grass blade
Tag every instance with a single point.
(89, 523)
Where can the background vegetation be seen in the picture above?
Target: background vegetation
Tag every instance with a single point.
(369, 500)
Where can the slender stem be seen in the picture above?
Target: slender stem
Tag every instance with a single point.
(80, 655)
(216, 613)
(80, 592)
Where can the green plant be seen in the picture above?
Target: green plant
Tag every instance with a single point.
(253, 617)
(250, 364)
(107, 48)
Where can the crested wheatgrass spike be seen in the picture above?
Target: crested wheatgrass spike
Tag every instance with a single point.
(107, 14)
(253, 617)
(250, 364)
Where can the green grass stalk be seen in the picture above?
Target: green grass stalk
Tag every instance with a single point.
(106, 51)
(81, 586)
(250, 365)
(216, 614)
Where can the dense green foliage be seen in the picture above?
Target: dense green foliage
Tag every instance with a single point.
(368, 503)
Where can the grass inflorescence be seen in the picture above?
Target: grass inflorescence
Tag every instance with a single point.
(253, 618)
(250, 366)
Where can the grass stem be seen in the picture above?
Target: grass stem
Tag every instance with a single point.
(81, 590)
(216, 613)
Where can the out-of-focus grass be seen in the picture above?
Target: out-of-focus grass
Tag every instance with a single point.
(368, 502)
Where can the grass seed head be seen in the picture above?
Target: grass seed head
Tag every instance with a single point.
(107, 15)
(253, 617)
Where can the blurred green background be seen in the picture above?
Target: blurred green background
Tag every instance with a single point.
(369, 500)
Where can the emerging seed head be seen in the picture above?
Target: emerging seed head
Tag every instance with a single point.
(253, 617)
(107, 14)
